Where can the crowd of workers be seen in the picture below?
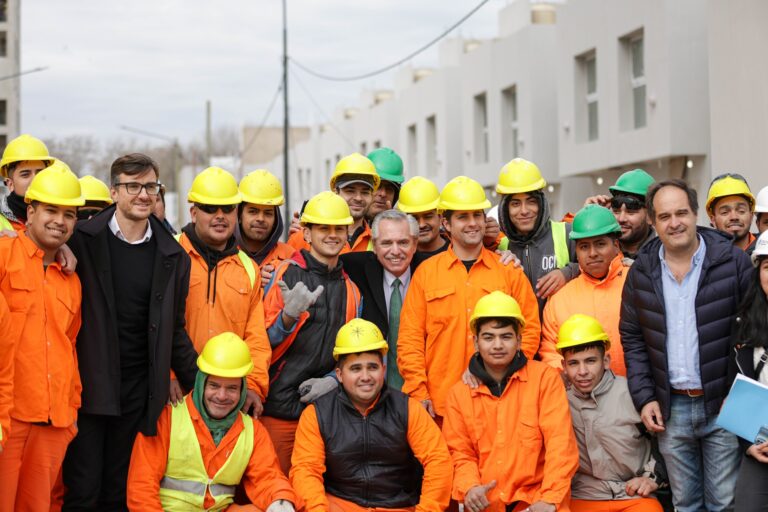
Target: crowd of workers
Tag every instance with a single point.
(403, 350)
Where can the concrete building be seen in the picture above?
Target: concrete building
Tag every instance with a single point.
(10, 24)
(585, 88)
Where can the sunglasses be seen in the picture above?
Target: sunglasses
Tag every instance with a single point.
(213, 208)
(633, 204)
(728, 175)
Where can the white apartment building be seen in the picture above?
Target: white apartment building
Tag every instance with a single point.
(585, 88)
(9, 69)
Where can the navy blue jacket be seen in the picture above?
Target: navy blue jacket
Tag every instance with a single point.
(725, 276)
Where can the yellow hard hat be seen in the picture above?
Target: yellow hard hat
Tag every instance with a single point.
(462, 193)
(496, 305)
(261, 187)
(519, 176)
(214, 186)
(355, 167)
(729, 185)
(580, 330)
(418, 195)
(22, 148)
(56, 184)
(95, 190)
(358, 336)
(328, 209)
(225, 355)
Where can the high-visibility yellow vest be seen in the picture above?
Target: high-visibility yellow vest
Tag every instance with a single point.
(5, 223)
(250, 267)
(185, 483)
(558, 239)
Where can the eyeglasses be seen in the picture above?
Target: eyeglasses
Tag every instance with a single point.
(134, 188)
(633, 204)
(728, 175)
(210, 209)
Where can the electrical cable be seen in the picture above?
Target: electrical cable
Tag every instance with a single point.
(408, 57)
(265, 119)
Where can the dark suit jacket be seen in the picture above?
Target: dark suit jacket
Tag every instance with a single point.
(98, 350)
(368, 274)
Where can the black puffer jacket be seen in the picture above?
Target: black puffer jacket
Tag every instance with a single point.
(725, 275)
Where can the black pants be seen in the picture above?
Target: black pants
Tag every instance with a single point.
(95, 469)
(752, 486)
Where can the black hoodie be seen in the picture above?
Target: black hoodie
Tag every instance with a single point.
(212, 257)
(477, 368)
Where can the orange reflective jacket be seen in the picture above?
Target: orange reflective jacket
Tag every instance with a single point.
(224, 300)
(44, 306)
(584, 294)
(263, 480)
(434, 343)
(523, 439)
(7, 353)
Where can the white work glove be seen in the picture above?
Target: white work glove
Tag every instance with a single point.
(281, 506)
(298, 299)
(312, 389)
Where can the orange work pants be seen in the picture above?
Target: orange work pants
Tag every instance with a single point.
(30, 464)
(336, 504)
(283, 435)
(631, 505)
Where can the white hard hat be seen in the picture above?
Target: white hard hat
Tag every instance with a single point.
(761, 248)
(761, 204)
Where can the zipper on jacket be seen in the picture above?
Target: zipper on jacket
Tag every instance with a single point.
(366, 473)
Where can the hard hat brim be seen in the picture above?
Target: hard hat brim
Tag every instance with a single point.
(380, 346)
(194, 197)
(56, 201)
(209, 369)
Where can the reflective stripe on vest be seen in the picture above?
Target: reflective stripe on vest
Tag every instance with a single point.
(186, 481)
(5, 223)
(559, 240)
(246, 260)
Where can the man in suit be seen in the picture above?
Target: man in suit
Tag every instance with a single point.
(383, 277)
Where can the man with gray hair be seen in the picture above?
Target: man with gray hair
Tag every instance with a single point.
(383, 277)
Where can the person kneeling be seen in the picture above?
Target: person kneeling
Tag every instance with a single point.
(205, 446)
(368, 446)
(510, 438)
(617, 472)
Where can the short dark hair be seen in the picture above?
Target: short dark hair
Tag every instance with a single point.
(599, 345)
(343, 357)
(133, 164)
(498, 323)
(693, 199)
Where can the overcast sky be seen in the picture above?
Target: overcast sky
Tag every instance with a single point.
(153, 64)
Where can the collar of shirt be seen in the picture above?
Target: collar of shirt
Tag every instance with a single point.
(115, 228)
(698, 256)
(481, 258)
(389, 278)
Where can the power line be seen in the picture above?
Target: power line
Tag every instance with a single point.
(394, 64)
(22, 73)
(266, 117)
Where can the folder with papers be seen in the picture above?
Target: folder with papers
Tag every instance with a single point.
(745, 410)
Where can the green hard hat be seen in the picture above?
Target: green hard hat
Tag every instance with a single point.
(389, 165)
(593, 220)
(633, 182)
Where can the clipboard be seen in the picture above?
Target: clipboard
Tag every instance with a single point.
(745, 410)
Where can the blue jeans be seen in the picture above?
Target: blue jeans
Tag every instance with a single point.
(702, 459)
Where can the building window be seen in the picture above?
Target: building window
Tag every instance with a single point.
(328, 168)
(3, 141)
(586, 96)
(376, 144)
(590, 65)
(431, 146)
(3, 10)
(481, 129)
(363, 148)
(3, 44)
(636, 51)
(3, 112)
(412, 149)
(510, 145)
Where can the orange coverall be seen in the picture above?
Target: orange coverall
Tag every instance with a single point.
(435, 343)
(44, 306)
(263, 481)
(584, 294)
(308, 464)
(7, 353)
(224, 300)
(522, 439)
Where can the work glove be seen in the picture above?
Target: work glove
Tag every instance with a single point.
(312, 389)
(298, 299)
(281, 506)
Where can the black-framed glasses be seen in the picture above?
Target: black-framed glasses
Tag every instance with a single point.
(633, 204)
(134, 187)
(210, 209)
(729, 175)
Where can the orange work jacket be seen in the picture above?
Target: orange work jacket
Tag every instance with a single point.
(7, 353)
(584, 294)
(364, 242)
(280, 252)
(263, 480)
(224, 300)
(428, 446)
(44, 306)
(522, 439)
(435, 343)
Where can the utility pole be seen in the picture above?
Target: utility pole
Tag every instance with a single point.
(286, 124)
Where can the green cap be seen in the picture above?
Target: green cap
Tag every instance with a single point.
(633, 182)
(389, 165)
(593, 220)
